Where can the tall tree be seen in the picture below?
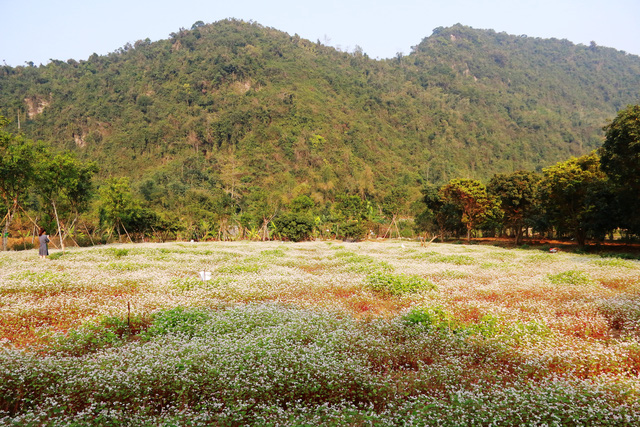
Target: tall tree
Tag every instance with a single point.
(439, 217)
(572, 195)
(517, 195)
(473, 200)
(16, 167)
(620, 160)
(117, 205)
(65, 183)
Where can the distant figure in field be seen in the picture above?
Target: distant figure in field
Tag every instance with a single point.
(44, 239)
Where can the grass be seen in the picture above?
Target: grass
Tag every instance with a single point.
(318, 333)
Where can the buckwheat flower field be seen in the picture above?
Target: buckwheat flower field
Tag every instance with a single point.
(318, 333)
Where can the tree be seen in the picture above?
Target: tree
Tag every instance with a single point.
(573, 194)
(517, 195)
(438, 217)
(620, 160)
(351, 212)
(392, 204)
(65, 183)
(117, 205)
(295, 226)
(473, 200)
(16, 173)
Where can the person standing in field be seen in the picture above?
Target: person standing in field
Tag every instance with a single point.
(43, 239)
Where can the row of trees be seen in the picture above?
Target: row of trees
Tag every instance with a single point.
(585, 197)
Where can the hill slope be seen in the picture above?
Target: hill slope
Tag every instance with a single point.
(234, 107)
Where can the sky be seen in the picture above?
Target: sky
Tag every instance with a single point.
(40, 30)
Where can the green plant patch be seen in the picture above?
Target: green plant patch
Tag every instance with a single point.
(106, 331)
(622, 255)
(434, 318)
(541, 258)
(273, 253)
(424, 255)
(176, 321)
(450, 274)
(453, 259)
(38, 283)
(397, 284)
(616, 263)
(190, 283)
(570, 277)
(117, 252)
(362, 263)
(57, 255)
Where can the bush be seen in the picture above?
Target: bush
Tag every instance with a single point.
(294, 226)
(353, 230)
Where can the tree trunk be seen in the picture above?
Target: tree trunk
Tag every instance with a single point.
(518, 236)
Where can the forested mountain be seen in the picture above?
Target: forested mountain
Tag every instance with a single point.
(232, 110)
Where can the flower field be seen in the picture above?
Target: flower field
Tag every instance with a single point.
(318, 333)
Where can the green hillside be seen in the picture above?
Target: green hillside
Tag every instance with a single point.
(231, 109)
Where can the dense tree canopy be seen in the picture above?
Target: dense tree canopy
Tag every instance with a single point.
(573, 194)
(516, 193)
(621, 161)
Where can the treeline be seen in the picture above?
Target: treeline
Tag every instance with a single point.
(587, 197)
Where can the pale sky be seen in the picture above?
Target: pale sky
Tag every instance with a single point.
(40, 30)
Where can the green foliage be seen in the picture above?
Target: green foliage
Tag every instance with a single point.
(56, 255)
(620, 158)
(397, 284)
(106, 331)
(352, 230)
(453, 259)
(362, 263)
(294, 226)
(570, 277)
(516, 193)
(433, 318)
(574, 194)
(293, 110)
(620, 152)
(16, 173)
(471, 197)
(118, 252)
(176, 321)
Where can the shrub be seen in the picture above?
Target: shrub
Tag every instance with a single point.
(352, 230)
(294, 226)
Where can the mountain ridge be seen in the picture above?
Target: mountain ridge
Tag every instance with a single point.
(247, 107)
